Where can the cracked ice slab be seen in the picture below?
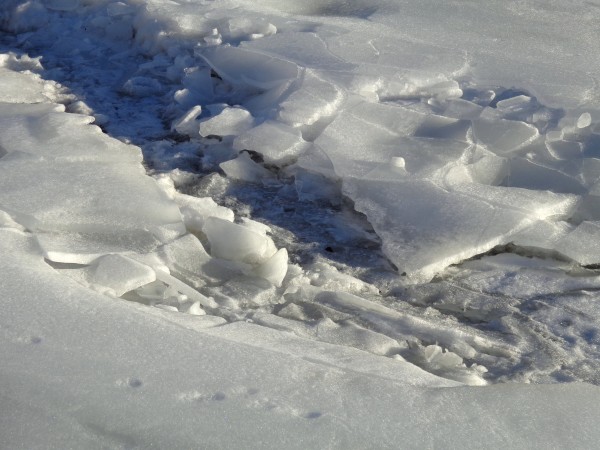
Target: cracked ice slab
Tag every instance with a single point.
(77, 188)
(247, 67)
(425, 228)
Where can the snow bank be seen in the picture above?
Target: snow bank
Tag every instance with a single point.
(110, 368)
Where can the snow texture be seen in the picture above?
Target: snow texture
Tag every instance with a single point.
(277, 224)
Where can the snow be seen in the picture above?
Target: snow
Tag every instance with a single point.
(301, 225)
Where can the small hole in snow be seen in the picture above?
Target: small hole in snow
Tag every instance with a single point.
(135, 383)
(219, 396)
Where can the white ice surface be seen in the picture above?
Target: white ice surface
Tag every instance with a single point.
(86, 371)
(454, 129)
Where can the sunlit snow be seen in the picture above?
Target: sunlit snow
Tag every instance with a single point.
(282, 224)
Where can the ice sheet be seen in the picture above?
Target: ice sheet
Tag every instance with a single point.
(455, 129)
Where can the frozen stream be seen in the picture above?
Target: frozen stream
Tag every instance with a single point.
(438, 201)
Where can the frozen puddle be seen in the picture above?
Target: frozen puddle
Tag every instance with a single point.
(341, 183)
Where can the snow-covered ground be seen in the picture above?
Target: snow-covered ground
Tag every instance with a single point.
(299, 225)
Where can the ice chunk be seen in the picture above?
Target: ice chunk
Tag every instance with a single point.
(27, 16)
(48, 132)
(199, 87)
(187, 124)
(7, 222)
(314, 99)
(96, 197)
(187, 260)
(370, 48)
(185, 289)
(582, 244)
(517, 107)
(118, 274)
(24, 87)
(327, 277)
(274, 269)
(584, 120)
(76, 199)
(196, 310)
(345, 140)
(503, 136)
(542, 234)
(83, 248)
(230, 121)
(243, 168)
(352, 335)
(450, 365)
(306, 49)
(252, 28)
(196, 210)
(185, 256)
(424, 229)
(278, 143)
(564, 149)
(462, 109)
(236, 242)
(531, 175)
(141, 86)
(246, 67)
(539, 205)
